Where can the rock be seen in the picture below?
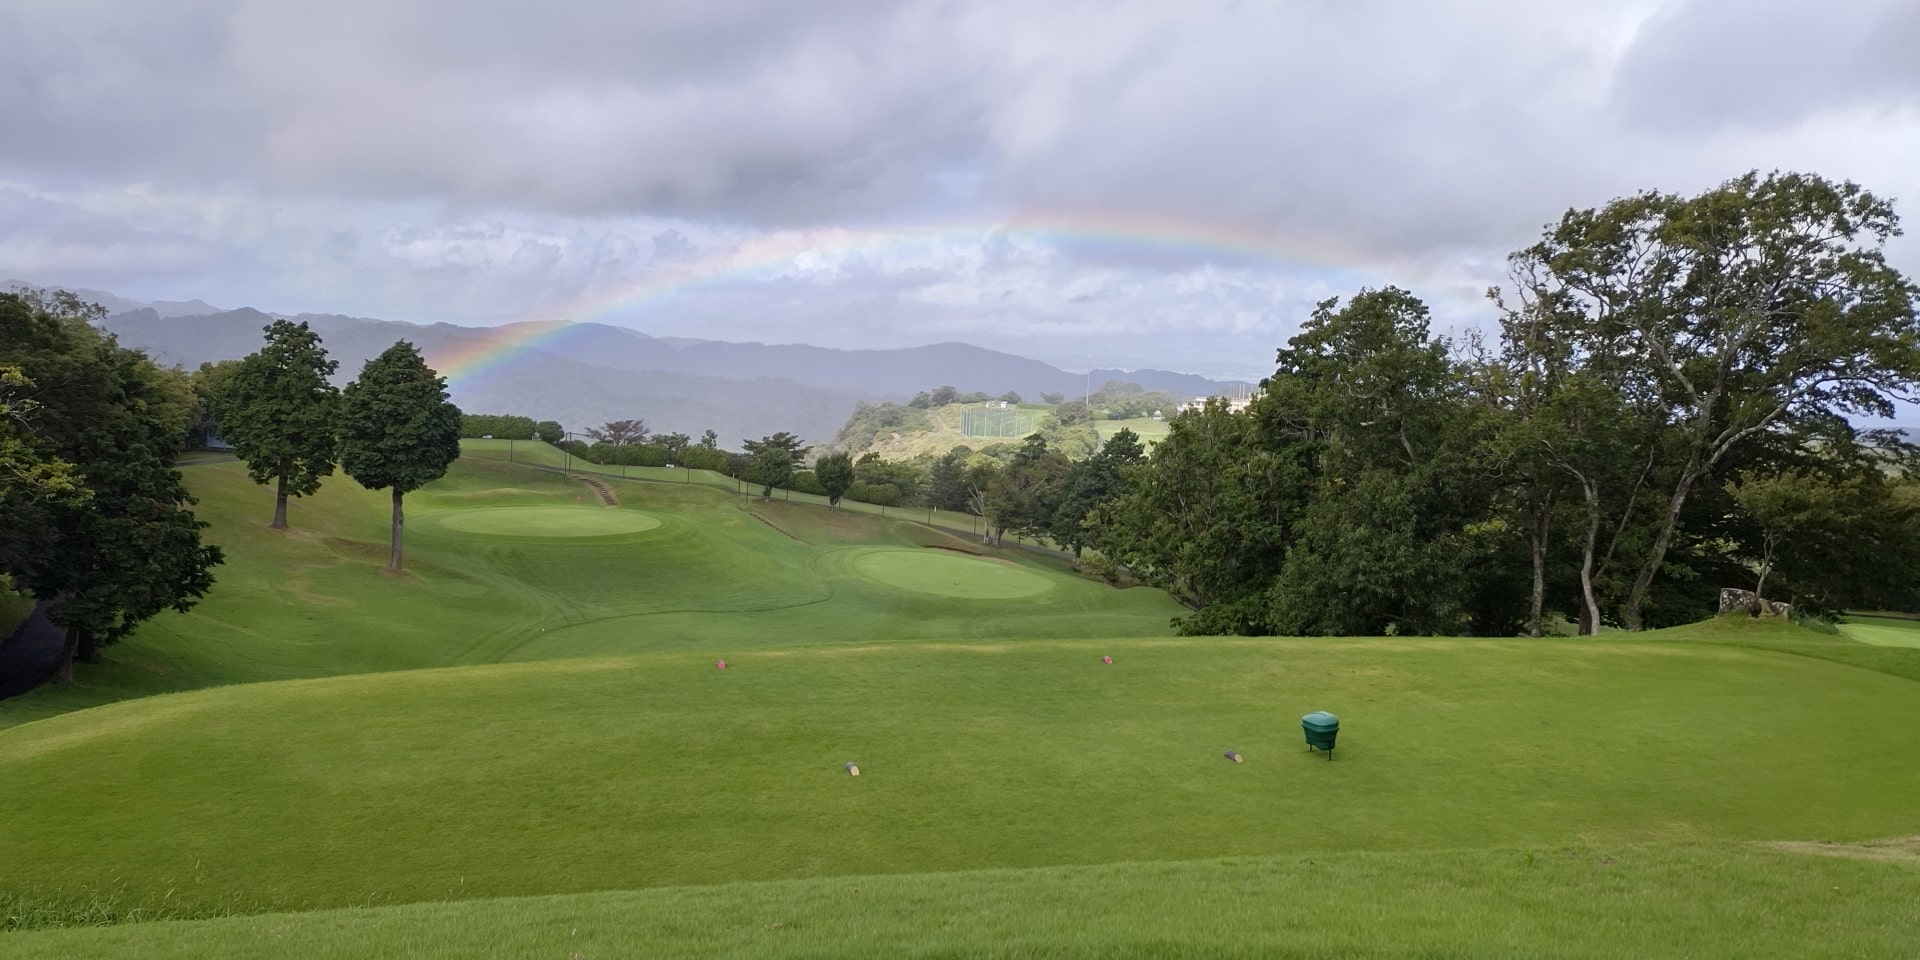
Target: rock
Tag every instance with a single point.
(1734, 599)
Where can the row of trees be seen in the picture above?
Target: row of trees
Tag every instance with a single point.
(502, 426)
(1667, 407)
(392, 428)
(943, 395)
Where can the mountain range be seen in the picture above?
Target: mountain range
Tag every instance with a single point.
(583, 374)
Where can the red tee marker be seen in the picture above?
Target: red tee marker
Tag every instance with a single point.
(1106, 659)
(719, 664)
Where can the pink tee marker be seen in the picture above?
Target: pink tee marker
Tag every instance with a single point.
(1106, 659)
(719, 664)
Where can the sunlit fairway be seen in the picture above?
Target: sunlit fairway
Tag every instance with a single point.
(522, 747)
(1149, 430)
(542, 522)
(1886, 630)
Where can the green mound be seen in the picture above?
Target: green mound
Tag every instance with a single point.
(545, 522)
(949, 574)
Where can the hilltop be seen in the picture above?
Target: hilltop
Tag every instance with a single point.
(583, 374)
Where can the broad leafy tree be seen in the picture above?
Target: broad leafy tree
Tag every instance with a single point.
(1766, 301)
(397, 429)
(620, 433)
(129, 546)
(673, 443)
(1027, 493)
(771, 461)
(550, 431)
(1089, 483)
(834, 472)
(277, 409)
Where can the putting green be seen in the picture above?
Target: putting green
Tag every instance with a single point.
(950, 575)
(546, 521)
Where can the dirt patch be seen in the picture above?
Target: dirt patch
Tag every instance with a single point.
(1897, 850)
(599, 489)
(780, 529)
(942, 546)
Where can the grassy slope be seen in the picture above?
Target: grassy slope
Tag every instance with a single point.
(1885, 630)
(1151, 431)
(655, 770)
(714, 576)
(946, 434)
(1640, 770)
(1717, 900)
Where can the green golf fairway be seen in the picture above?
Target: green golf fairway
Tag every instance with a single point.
(519, 746)
(1883, 631)
(545, 522)
(949, 574)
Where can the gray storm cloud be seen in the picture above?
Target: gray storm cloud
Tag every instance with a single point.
(481, 160)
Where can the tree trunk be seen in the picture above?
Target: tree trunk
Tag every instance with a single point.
(1589, 604)
(394, 563)
(1539, 530)
(1537, 599)
(280, 506)
(69, 646)
(1637, 597)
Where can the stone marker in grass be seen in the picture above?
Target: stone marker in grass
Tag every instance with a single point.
(1234, 755)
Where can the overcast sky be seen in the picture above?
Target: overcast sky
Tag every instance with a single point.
(1172, 183)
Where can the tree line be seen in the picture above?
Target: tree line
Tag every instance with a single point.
(1668, 406)
(93, 515)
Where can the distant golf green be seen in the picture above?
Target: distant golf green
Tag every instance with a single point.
(1882, 629)
(545, 521)
(950, 574)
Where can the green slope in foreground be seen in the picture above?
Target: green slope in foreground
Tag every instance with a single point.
(658, 770)
(1694, 900)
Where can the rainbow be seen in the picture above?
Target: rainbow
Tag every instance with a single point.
(760, 257)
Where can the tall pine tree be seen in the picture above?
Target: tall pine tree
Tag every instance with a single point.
(397, 429)
(277, 410)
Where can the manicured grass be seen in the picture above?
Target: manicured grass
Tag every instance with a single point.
(1886, 630)
(577, 779)
(1151, 431)
(950, 575)
(543, 522)
(510, 562)
(658, 770)
(1632, 902)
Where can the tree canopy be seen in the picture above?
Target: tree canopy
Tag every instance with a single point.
(277, 410)
(398, 431)
(97, 519)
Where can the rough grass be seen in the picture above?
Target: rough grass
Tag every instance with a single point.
(1688, 900)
